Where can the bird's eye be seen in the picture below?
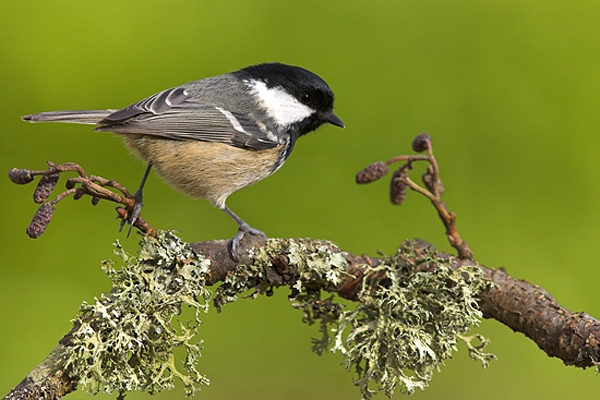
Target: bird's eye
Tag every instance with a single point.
(305, 98)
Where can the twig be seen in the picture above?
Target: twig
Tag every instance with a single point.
(95, 186)
(433, 189)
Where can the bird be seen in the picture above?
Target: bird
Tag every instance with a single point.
(212, 137)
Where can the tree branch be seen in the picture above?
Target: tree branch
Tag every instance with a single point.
(572, 337)
(523, 307)
(531, 310)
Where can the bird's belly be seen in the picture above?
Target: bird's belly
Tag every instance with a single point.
(207, 170)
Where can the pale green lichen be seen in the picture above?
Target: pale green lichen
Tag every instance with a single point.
(405, 324)
(126, 340)
(317, 265)
(399, 334)
(403, 327)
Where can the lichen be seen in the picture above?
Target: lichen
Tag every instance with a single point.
(126, 340)
(405, 324)
(410, 313)
(406, 321)
(315, 263)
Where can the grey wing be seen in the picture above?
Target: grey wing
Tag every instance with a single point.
(173, 114)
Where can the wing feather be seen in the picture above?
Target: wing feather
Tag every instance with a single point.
(175, 114)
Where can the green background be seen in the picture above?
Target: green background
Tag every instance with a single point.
(509, 91)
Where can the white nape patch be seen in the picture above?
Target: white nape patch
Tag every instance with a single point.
(284, 108)
(232, 120)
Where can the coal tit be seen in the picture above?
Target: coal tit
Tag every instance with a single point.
(212, 137)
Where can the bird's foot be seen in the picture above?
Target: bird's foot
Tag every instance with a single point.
(135, 212)
(235, 241)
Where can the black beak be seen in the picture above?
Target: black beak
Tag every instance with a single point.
(333, 119)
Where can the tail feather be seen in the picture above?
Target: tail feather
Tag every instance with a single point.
(91, 117)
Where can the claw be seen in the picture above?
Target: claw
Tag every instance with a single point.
(235, 241)
(139, 202)
(138, 197)
(242, 230)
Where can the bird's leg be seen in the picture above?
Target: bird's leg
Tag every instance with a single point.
(243, 228)
(139, 200)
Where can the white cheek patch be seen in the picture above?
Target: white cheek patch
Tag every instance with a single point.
(284, 108)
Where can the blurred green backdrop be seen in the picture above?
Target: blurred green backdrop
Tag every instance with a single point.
(509, 90)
